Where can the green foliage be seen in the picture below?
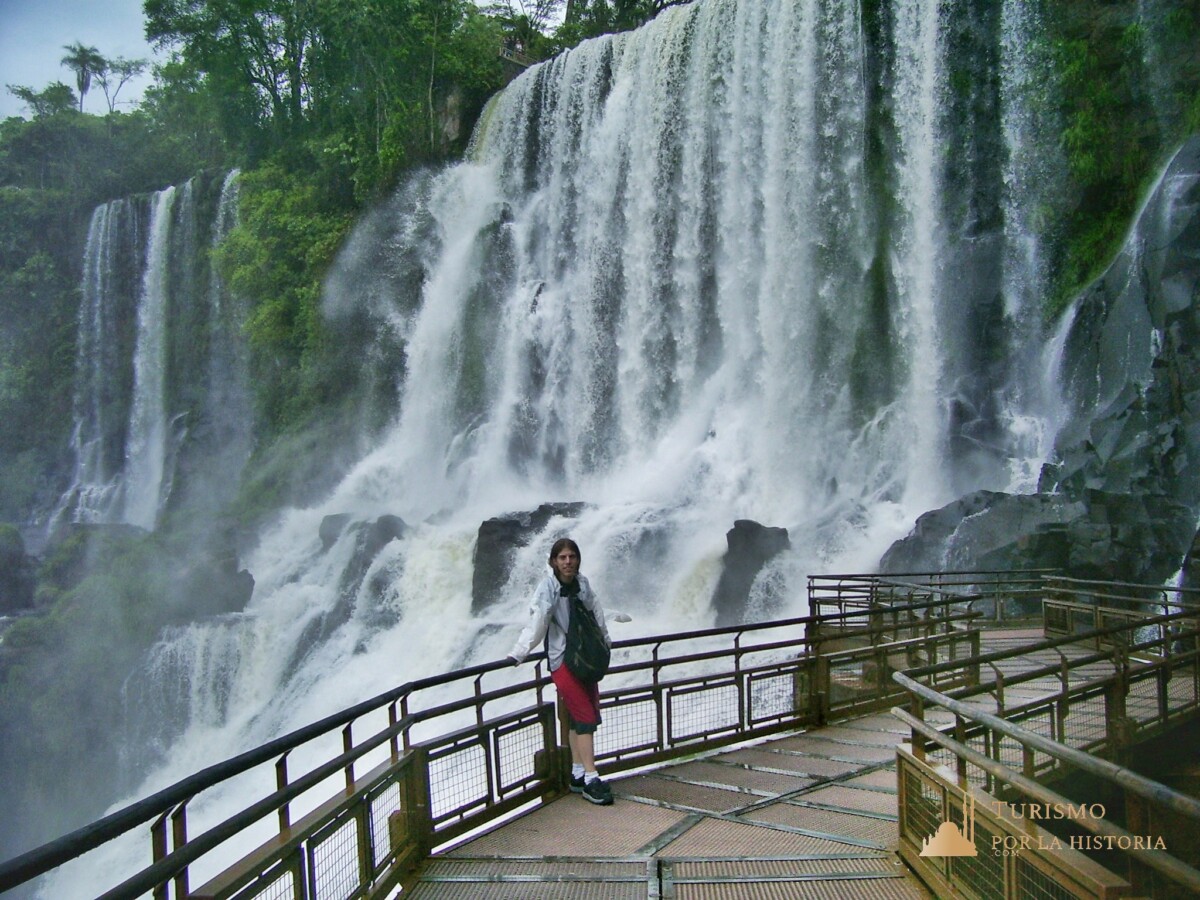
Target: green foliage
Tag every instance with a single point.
(277, 257)
(1112, 74)
(52, 100)
(85, 62)
(590, 18)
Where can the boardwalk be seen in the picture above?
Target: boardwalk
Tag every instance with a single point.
(809, 815)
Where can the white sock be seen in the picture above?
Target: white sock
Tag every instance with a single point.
(577, 770)
(589, 777)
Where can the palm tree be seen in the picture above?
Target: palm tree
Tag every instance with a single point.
(86, 62)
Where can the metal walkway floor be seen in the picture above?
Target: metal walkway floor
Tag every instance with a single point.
(809, 815)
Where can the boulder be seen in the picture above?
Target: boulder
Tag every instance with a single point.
(497, 542)
(750, 547)
(1099, 535)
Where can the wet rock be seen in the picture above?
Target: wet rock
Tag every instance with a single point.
(17, 572)
(498, 540)
(1122, 497)
(1099, 535)
(331, 529)
(750, 547)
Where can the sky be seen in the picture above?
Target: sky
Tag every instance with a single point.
(34, 32)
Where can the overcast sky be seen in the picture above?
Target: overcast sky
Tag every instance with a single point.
(33, 33)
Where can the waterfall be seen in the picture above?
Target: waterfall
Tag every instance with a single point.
(919, 81)
(1032, 175)
(147, 389)
(97, 438)
(686, 276)
(147, 418)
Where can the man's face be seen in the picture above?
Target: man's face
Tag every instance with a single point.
(566, 564)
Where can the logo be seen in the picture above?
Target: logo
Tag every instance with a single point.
(949, 840)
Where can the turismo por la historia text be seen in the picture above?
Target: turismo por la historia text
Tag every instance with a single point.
(1010, 843)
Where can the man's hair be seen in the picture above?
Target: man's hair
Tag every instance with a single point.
(558, 548)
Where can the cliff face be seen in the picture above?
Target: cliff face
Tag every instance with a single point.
(1122, 499)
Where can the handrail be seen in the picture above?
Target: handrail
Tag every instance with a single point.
(1137, 784)
(1050, 643)
(63, 849)
(1158, 860)
(54, 853)
(804, 663)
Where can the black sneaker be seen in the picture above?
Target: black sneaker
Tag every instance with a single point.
(596, 791)
(577, 784)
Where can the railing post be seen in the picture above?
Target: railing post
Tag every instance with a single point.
(347, 746)
(1137, 821)
(960, 735)
(159, 850)
(281, 781)
(179, 837)
(821, 690)
(393, 721)
(418, 807)
(916, 705)
(976, 647)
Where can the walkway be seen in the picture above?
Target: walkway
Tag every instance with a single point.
(809, 815)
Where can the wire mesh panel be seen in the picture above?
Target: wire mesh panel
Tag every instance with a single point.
(381, 805)
(921, 812)
(705, 710)
(1034, 884)
(980, 876)
(335, 871)
(516, 746)
(1142, 701)
(631, 726)
(284, 881)
(776, 694)
(1181, 688)
(1085, 724)
(458, 780)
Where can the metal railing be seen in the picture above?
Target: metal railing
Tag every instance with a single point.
(350, 805)
(346, 806)
(1098, 692)
(999, 595)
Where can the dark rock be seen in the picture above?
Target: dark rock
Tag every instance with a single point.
(332, 528)
(1191, 565)
(1122, 497)
(17, 572)
(497, 541)
(1120, 537)
(750, 547)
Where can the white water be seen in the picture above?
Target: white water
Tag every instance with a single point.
(147, 419)
(94, 484)
(648, 291)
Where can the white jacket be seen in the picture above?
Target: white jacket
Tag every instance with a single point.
(550, 617)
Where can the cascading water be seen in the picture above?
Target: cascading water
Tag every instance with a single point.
(146, 283)
(671, 283)
(147, 420)
(919, 83)
(98, 438)
(1032, 175)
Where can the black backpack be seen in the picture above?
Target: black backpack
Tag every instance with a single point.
(587, 653)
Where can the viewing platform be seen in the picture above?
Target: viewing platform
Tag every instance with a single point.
(808, 815)
(948, 734)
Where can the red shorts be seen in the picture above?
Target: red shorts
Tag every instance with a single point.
(581, 700)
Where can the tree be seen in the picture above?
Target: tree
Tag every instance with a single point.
(525, 22)
(115, 75)
(55, 98)
(260, 46)
(84, 62)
